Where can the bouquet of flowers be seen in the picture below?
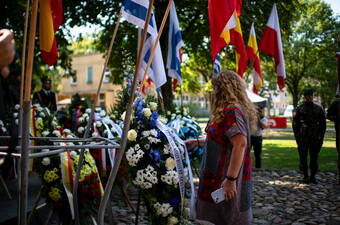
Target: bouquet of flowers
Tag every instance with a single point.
(155, 165)
(58, 171)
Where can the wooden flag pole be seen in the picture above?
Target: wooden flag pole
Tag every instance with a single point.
(120, 153)
(23, 188)
(89, 123)
(157, 39)
(23, 58)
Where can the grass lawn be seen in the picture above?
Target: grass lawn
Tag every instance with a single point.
(280, 151)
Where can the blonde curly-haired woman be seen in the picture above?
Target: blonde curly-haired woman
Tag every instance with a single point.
(226, 162)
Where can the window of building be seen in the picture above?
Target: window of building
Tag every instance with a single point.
(89, 74)
(102, 100)
(106, 78)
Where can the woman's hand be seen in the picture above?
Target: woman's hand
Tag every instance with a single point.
(229, 188)
(192, 143)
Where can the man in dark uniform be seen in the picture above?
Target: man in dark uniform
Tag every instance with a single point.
(333, 114)
(309, 125)
(45, 97)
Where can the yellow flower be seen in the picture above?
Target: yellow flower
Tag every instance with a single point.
(51, 175)
(55, 194)
(132, 135)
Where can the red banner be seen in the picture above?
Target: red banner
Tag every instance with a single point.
(277, 122)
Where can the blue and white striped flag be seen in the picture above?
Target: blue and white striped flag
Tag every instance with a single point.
(175, 43)
(134, 11)
(217, 65)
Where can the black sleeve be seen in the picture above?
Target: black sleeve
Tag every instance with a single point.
(296, 122)
(322, 121)
(54, 103)
(331, 112)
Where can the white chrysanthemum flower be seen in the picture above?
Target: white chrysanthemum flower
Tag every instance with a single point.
(153, 106)
(170, 163)
(132, 135)
(67, 131)
(46, 161)
(102, 113)
(98, 124)
(45, 133)
(81, 130)
(153, 132)
(147, 112)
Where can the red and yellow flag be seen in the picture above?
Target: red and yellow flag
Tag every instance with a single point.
(51, 16)
(234, 36)
(254, 58)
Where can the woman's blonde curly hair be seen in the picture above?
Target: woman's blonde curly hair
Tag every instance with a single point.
(230, 89)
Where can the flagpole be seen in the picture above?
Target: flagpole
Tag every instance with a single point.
(157, 39)
(23, 188)
(120, 153)
(88, 125)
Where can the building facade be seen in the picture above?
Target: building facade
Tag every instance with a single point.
(88, 69)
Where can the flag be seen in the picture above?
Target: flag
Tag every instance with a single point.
(135, 11)
(51, 16)
(236, 38)
(175, 43)
(239, 7)
(272, 45)
(338, 88)
(254, 58)
(221, 20)
(217, 65)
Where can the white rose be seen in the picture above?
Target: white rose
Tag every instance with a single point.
(73, 154)
(17, 106)
(15, 115)
(98, 124)
(132, 135)
(98, 109)
(147, 112)
(42, 114)
(88, 110)
(170, 163)
(17, 121)
(56, 133)
(45, 133)
(102, 113)
(67, 131)
(46, 161)
(94, 134)
(4, 129)
(1, 123)
(81, 129)
(163, 120)
(69, 136)
(153, 106)
(54, 123)
(172, 220)
(81, 119)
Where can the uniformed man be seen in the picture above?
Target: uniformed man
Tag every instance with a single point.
(45, 97)
(333, 114)
(309, 125)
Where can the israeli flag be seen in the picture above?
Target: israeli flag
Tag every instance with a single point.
(217, 65)
(175, 43)
(134, 11)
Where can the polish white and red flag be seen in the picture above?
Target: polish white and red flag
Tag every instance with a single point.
(272, 45)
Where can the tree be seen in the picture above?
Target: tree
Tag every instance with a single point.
(310, 51)
(193, 17)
